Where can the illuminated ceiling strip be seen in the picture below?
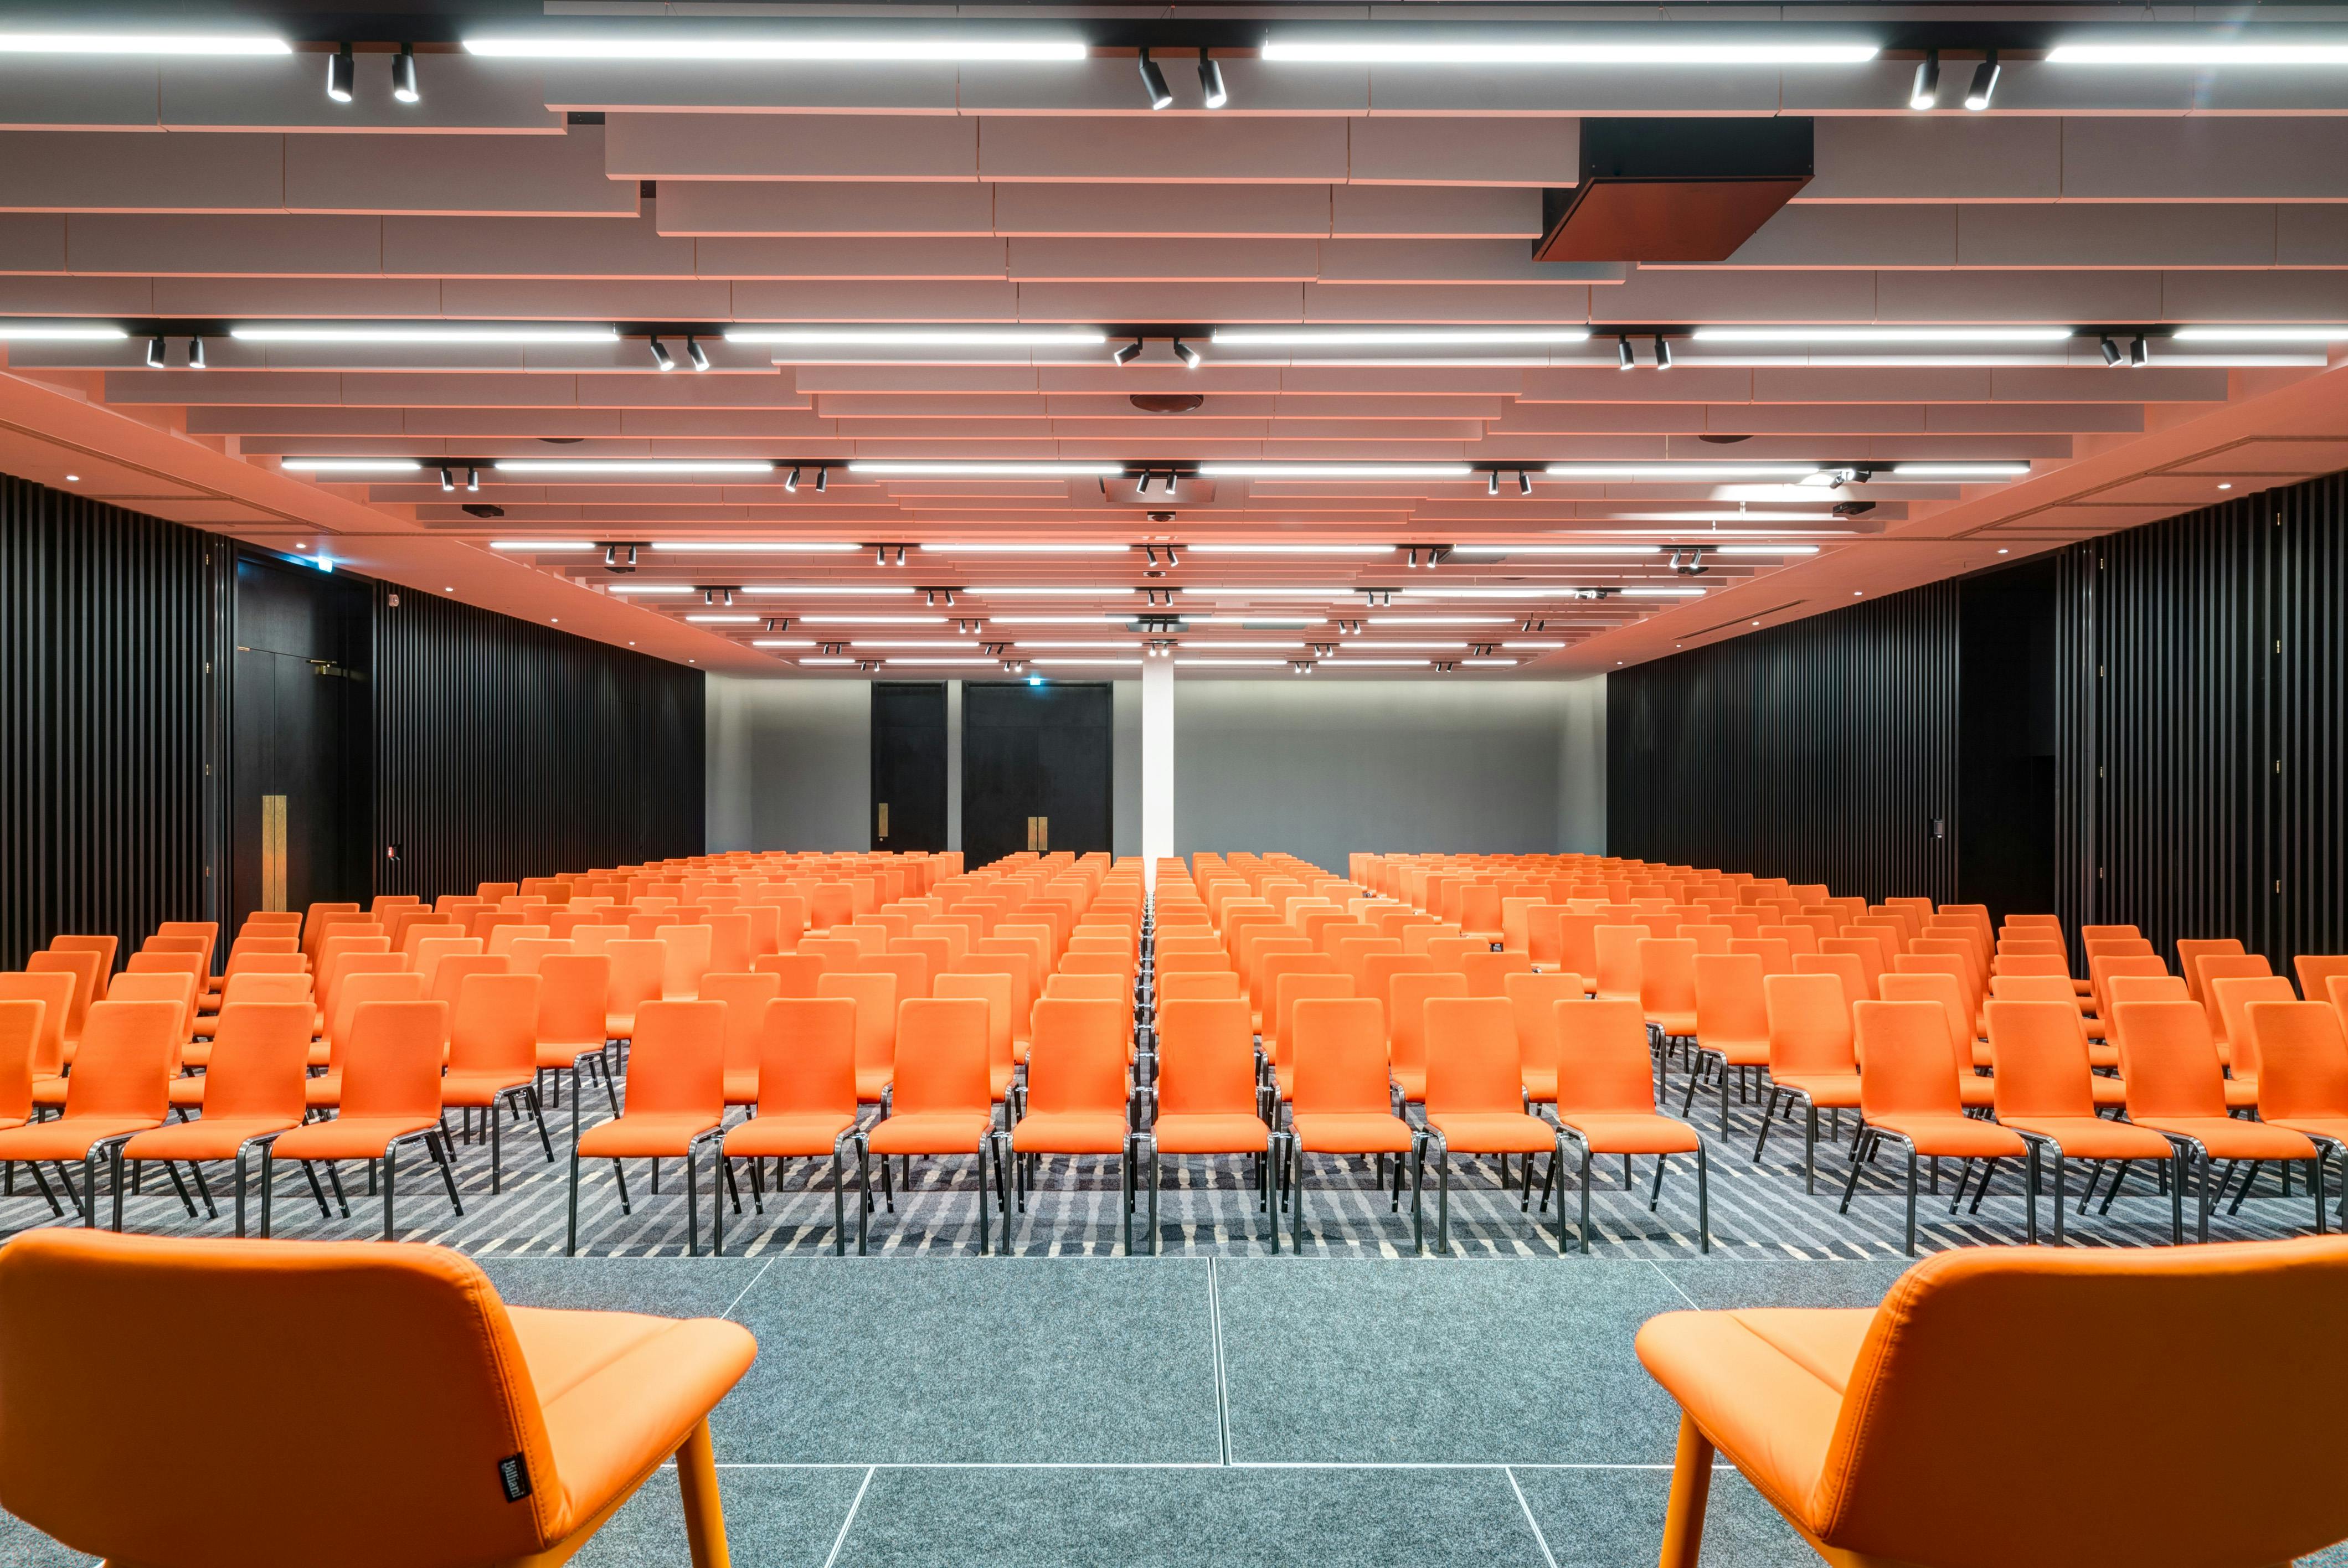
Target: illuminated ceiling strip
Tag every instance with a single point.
(728, 48)
(1335, 470)
(59, 332)
(419, 333)
(1432, 337)
(1036, 549)
(920, 337)
(142, 44)
(2201, 51)
(350, 465)
(627, 465)
(1883, 335)
(1547, 49)
(751, 547)
(993, 470)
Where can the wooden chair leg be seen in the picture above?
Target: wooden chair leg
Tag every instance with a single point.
(705, 1517)
(1683, 1519)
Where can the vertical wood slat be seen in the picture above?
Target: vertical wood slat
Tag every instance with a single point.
(505, 749)
(1819, 751)
(106, 626)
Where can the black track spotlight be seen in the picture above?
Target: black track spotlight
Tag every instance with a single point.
(1171, 477)
(1924, 93)
(791, 480)
(2139, 352)
(1141, 486)
(341, 72)
(1492, 483)
(661, 356)
(403, 75)
(822, 480)
(1623, 358)
(1985, 83)
(1211, 81)
(1153, 82)
(473, 485)
(1663, 352)
(155, 353)
(1128, 353)
(195, 353)
(697, 353)
(1186, 354)
(2111, 351)
(1524, 482)
(449, 486)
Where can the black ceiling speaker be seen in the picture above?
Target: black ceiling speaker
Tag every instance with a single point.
(1674, 190)
(482, 510)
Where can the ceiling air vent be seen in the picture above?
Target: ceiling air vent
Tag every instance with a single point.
(1673, 190)
(482, 510)
(1167, 402)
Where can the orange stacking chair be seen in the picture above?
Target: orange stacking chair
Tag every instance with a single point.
(1195, 985)
(1534, 997)
(1476, 1099)
(745, 997)
(1812, 1057)
(675, 1105)
(1884, 1436)
(993, 988)
(875, 999)
(572, 1018)
(121, 1087)
(1077, 1102)
(939, 1101)
(1606, 1104)
(83, 969)
(2317, 971)
(252, 1092)
(493, 1437)
(1907, 1094)
(1407, 995)
(493, 1058)
(807, 1103)
(2044, 1091)
(1732, 1024)
(2304, 1076)
(20, 1039)
(2191, 950)
(390, 1097)
(1207, 1097)
(638, 966)
(2177, 1088)
(1344, 1103)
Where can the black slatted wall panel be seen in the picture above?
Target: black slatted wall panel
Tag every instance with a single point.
(107, 623)
(505, 749)
(1821, 750)
(2203, 689)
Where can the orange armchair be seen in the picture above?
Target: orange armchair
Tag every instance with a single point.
(1883, 1436)
(480, 1436)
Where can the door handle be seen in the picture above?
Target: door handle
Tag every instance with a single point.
(881, 833)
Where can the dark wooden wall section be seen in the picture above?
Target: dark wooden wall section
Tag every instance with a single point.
(506, 749)
(1825, 749)
(1044, 750)
(109, 622)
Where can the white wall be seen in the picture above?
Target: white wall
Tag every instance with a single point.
(1322, 768)
(790, 764)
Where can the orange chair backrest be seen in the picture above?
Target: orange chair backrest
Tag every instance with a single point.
(1943, 991)
(1798, 939)
(993, 989)
(1279, 1033)
(389, 986)
(260, 1051)
(130, 987)
(1488, 972)
(2040, 1052)
(806, 1056)
(391, 1062)
(941, 1057)
(1340, 1057)
(638, 965)
(449, 978)
(797, 971)
(20, 1036)
(1016, 970)
(81, 968)
(1533, 998)
(2215, 968)
(1206, 1057)
(2035, 988)
(2170, 1059)
(1729, 1005)
(1866, 954)
(745, 997)
(1809, 1024)
(1088, 988)
(2231, 996)
(1910, 1059)
(129, 1053)
(571, 987)
(54, 989)
(493, 1024)
(106, 948)
(1618, 973)
(1195, 985)
(2316, 972)
(876, 1013)
(1473, 1062)
(528, 952)
(2191, 949)
(677, 1060)
(1967, 1336)
(1077, 1060)
(1604, 1064)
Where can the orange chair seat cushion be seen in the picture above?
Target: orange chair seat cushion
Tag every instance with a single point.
(619, 1026)
(742, 1086)
(2227, 1138)
(66, 1140)
(1976, 1092)
(2094, 1137)
(478, 1087)
(619, 1392)
(566, 1052)
(186, 1093)
(1352, 1133)
(930, 1132)
(324, 1091)
(790, 1135)
(1827, 1090)
(2335, 1128)
(1207, 1133)
(1069, 1133)
(49, 1092)
(1411, 1080)
(648, 1134)
(1631, 1133)
(1493, 1131)
(211, 1138)
(1957, 1137)
(2108, 1090)
(2241, 1093)
(1540, 1083)
(1765, 1385)
(1681, 1025)
(348, 1137)
(1738, 1052)
(196, 1055)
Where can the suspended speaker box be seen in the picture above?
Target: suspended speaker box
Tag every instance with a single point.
(1673, 190)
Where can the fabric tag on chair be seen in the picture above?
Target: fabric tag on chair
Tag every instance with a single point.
(514, 1476)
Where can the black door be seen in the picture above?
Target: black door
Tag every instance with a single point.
(300, 713)
(1037, 768)
(908, 764)
(2007, 738)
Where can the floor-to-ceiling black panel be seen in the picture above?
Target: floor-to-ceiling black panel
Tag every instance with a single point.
(1036, 752)
(2008, 743)
(300, 716)
(908, 764)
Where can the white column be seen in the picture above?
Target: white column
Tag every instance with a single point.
(1156, 765)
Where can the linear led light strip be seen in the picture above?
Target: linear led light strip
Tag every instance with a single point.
(720, 547)
(142, 44)
(1629, 550)
(1884, 334)
(2201, 50)
(994, 470)
(1261, 337)
(426, 333)
(1533, 50)
(627, 465)
(922, 337)
(731, 47)
(1795, 471)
